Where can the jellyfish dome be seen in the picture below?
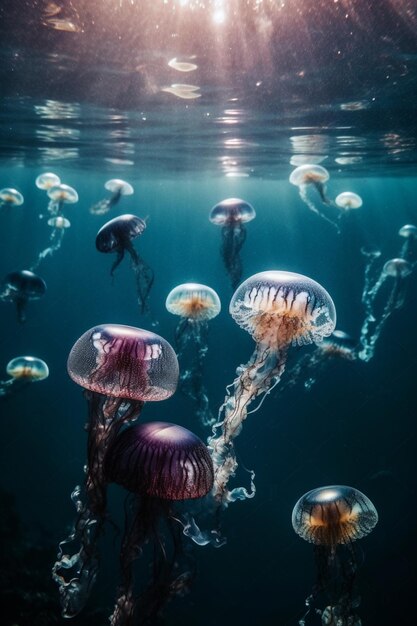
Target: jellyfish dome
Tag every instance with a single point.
(309, 173)
(397, 268)
(47, 180)
(194, 302)
(116, 185)
(160, 460)
(348, 200)
(63, 193)
(28, 367)
(124, 362)
(283, 308)
(408, 231)
(11, 197)
(340, 344)
(59, 222)
(232, 211)
(114, 234)
(333, 515)
(24, 284)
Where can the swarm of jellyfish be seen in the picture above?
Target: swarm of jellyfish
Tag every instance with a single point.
(10, 198)
(313, 178)
(21, 287)
(409, 248)
(120, 368)
(116, 237)
(232, 215)
(195, 304)
(160, 464)
(23, 370)
(332, 518)
(117, 188)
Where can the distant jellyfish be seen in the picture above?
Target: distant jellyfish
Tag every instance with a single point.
(381, 296)
(120, 368)
(333, 518)
(60, 195)
(160, 464)
(195, 304)
(117, 236)
(10, 197)
(409, 247)
(47, 180)
(23, 370)
(118, 189)
(309, 176)
(19, 288)
(347, 200)
(59, 225)
(232, 215)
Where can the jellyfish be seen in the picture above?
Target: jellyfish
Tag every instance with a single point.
(47, 180)
(10, 197)
(307, 176)
(19, 288)
(117, 236)
(195, 304)
(23, 371)
(118, 189)
(59, 224)
(120, 368)
(232, 215)
(393, 272)
(408, 250)
(59, 196)
(333, 518)
(161, 464)
(347, 200)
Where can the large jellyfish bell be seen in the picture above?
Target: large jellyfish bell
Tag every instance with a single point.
(10, 197)
(118, 189)
(19, 288)
(23, 370)
(309, 176)
(160, 463)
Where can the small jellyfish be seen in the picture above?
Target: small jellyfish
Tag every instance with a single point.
(232, 215)
(59, 225)
(47, 180)
(23, 371)
(118, 189)
(409, 233)
(10, 197)
(160, 464)
(19, 288)
(348, 200)
(377, 304)
(333, 518)
(117, 236)
(59, 196)
(309, 176)
(195, 304)
(120, 368)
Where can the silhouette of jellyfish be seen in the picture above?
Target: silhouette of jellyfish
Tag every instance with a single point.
(59, 224)
(195, 304)
(47, 180)
(409, 233)
(59, 196)
(23, 371)
(10, 197)
(333, 518)
(160, 463)
(374, 322)
(278, 309)
(118, 189)
(19, 288)
(307, 176)
(116, 236)
(232, 215)
(120, 368)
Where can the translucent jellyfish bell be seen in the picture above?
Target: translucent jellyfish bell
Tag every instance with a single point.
(281, 308)
(309, 174)
(63, 194)
(194, 302)
(10, 197)
(19, 288)
(116, 185)
(59, 222)
(348, 200)
(28, 367)
(397, 268)
(408, 231)
(47, 180)
(231, 211)
(333, 515)
(119, 232)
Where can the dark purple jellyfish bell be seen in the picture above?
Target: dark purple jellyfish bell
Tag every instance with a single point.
(117, 236)
(19, 288)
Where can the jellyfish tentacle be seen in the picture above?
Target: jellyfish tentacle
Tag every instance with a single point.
(101, 207)
(303, 191)
(120, 253)
(144, 276)
(233, 238)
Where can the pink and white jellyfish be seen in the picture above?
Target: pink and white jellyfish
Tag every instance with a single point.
(383, 293)
(232, 215)
(307, 177)
(23, 370)
(60, 195)
(21, 287)
(59, 225)
(118, 188)
(120, 368)
(196, 305)
(10, 198)
(47, 180)
(409, 247)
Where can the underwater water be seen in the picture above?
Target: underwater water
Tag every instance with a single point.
(90, 92)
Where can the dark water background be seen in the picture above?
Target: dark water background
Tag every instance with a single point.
(357, 424)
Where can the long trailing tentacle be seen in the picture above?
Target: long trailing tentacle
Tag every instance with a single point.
(303, 191)
(233, 238)
(119, 258)
(144, 278)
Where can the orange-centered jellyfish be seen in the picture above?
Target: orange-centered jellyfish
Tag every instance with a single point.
(118, 188)
(10, 197)
(195, 304)
(60, 195)
(307, 177)
(333, 518)
(23, 370)
(232, 215)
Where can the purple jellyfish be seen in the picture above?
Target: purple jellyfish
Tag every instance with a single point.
(117, 236)
(19, 288)
(160, 463)
(231, 215)
(120, 368)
